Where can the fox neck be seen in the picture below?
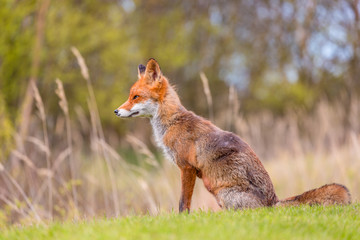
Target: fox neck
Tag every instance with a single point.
(168, 109)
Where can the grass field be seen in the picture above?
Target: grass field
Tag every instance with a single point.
(334, 222)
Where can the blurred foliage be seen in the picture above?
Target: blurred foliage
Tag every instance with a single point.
(6, 133)
(16, 39)
(279, 54)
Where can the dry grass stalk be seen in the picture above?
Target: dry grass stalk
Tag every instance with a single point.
(96, 122)
(61, 157)
(81, 62)
(41, 109)
(152, 204)
(141, 147)
(41, 145)
(40, 171)
(233, 108)
(13, 206)
(207, 92)
(64, 106)
(95, 147)
(5, 173)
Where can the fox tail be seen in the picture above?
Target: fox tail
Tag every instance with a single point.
(328, 194)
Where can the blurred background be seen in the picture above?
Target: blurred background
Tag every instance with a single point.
(284, 75)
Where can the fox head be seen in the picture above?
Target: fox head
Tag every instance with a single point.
(146, 94)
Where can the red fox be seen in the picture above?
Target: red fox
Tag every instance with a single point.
(227, 165)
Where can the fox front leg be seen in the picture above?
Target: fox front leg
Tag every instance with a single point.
(188, 177)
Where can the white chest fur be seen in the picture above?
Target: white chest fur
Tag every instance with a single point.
(159, 132)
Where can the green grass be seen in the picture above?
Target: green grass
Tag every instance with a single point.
(335, 222)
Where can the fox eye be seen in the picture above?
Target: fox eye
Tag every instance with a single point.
(135, 97)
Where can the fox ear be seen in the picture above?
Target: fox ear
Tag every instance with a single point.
(141, 70)
(152, 72)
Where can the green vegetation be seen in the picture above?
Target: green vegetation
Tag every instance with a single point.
(336, 222)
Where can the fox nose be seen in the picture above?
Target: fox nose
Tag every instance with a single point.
(116, 111)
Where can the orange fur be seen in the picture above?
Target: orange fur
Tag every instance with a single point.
(229, 168)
